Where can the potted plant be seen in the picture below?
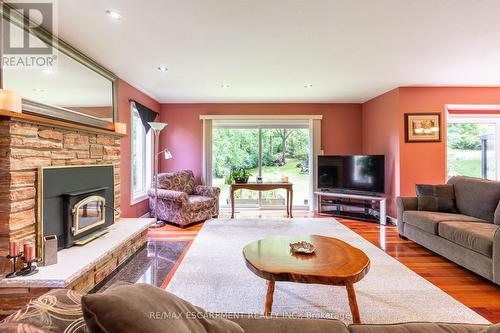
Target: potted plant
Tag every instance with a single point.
(238, 176)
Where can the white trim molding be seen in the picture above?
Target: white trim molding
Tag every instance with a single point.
(314, 152)
(259, 117)
(472, 107)
(206, 173)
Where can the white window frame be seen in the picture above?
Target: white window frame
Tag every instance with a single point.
(453, 118)
(312, 121)
(136, 197)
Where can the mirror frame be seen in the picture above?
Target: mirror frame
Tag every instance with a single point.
(51, 111)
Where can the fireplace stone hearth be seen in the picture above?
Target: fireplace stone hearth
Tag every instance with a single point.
(27, 146)
(79, 268)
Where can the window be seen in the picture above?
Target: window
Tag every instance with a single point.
(141, 150)
(472, 147)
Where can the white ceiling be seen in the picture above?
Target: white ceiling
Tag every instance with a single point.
(267, 50)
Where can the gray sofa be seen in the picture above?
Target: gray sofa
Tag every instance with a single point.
(60, 311)
(470, 238)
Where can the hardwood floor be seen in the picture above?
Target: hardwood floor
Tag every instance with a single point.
(468, 288)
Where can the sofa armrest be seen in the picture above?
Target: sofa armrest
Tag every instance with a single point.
(169, 195)
(403, 204)
(207, 191)
(496, 257)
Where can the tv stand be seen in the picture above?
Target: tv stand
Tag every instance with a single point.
(363, 207)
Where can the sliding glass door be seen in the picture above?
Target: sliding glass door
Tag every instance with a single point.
(234, 149)
(472, 147)
(271, 152)
(285, 153)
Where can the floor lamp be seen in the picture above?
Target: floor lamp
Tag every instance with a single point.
(157, 128)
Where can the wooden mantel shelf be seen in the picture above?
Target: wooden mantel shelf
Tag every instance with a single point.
(4, 114)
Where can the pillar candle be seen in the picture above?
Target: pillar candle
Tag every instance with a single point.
(121, 128)
(13, 248)
(29, 251)
(11, 101)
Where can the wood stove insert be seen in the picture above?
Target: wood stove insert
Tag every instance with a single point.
(76, 203)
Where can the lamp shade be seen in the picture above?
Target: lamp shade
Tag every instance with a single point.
(156, 126)
(167, 154)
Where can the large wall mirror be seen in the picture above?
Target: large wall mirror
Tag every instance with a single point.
(72, 87)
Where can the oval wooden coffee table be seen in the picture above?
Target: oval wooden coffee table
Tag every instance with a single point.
(334, 262)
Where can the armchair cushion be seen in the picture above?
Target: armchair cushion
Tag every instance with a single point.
(182, 181)
(207, 191)
(199, 202)
(170, 195)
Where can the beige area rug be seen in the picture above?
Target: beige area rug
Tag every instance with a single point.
(213, 275)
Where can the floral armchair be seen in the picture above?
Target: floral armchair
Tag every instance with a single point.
(182, 202)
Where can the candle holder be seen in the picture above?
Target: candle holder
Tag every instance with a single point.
(30, 268)
(14, 270)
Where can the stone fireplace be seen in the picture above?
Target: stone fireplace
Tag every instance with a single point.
(34, 149)
(25, 147)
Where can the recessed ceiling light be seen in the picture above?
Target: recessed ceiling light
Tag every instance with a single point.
(47, 71)
(114, 15)
(224, 85)
(38, 90)
(308, 85)
(162, 68)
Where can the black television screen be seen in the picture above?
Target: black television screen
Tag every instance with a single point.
(364, 173)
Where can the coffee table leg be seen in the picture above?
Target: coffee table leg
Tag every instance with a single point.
(269, 298)
(353, 304)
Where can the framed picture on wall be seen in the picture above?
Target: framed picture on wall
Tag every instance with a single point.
(422, 127)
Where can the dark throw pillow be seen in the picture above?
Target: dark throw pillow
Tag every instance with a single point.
(132, 308)
(436, 198)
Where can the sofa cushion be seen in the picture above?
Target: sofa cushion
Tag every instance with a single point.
(471, 235)
(492, 329)
(58, 310)
(199, 202)
(132, 308)
(257, 324)
(476, 197)
(436, 198)
(428, 221)
(417, 328)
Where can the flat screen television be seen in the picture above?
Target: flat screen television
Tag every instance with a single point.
(352, 173)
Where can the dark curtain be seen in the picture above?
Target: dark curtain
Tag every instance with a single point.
(146, 114)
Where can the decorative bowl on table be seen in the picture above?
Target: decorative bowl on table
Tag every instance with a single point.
(302, 247)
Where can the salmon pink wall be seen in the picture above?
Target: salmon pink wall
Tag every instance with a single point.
(381, 136)
(340, 134)
(125, 93)
(426, 162)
